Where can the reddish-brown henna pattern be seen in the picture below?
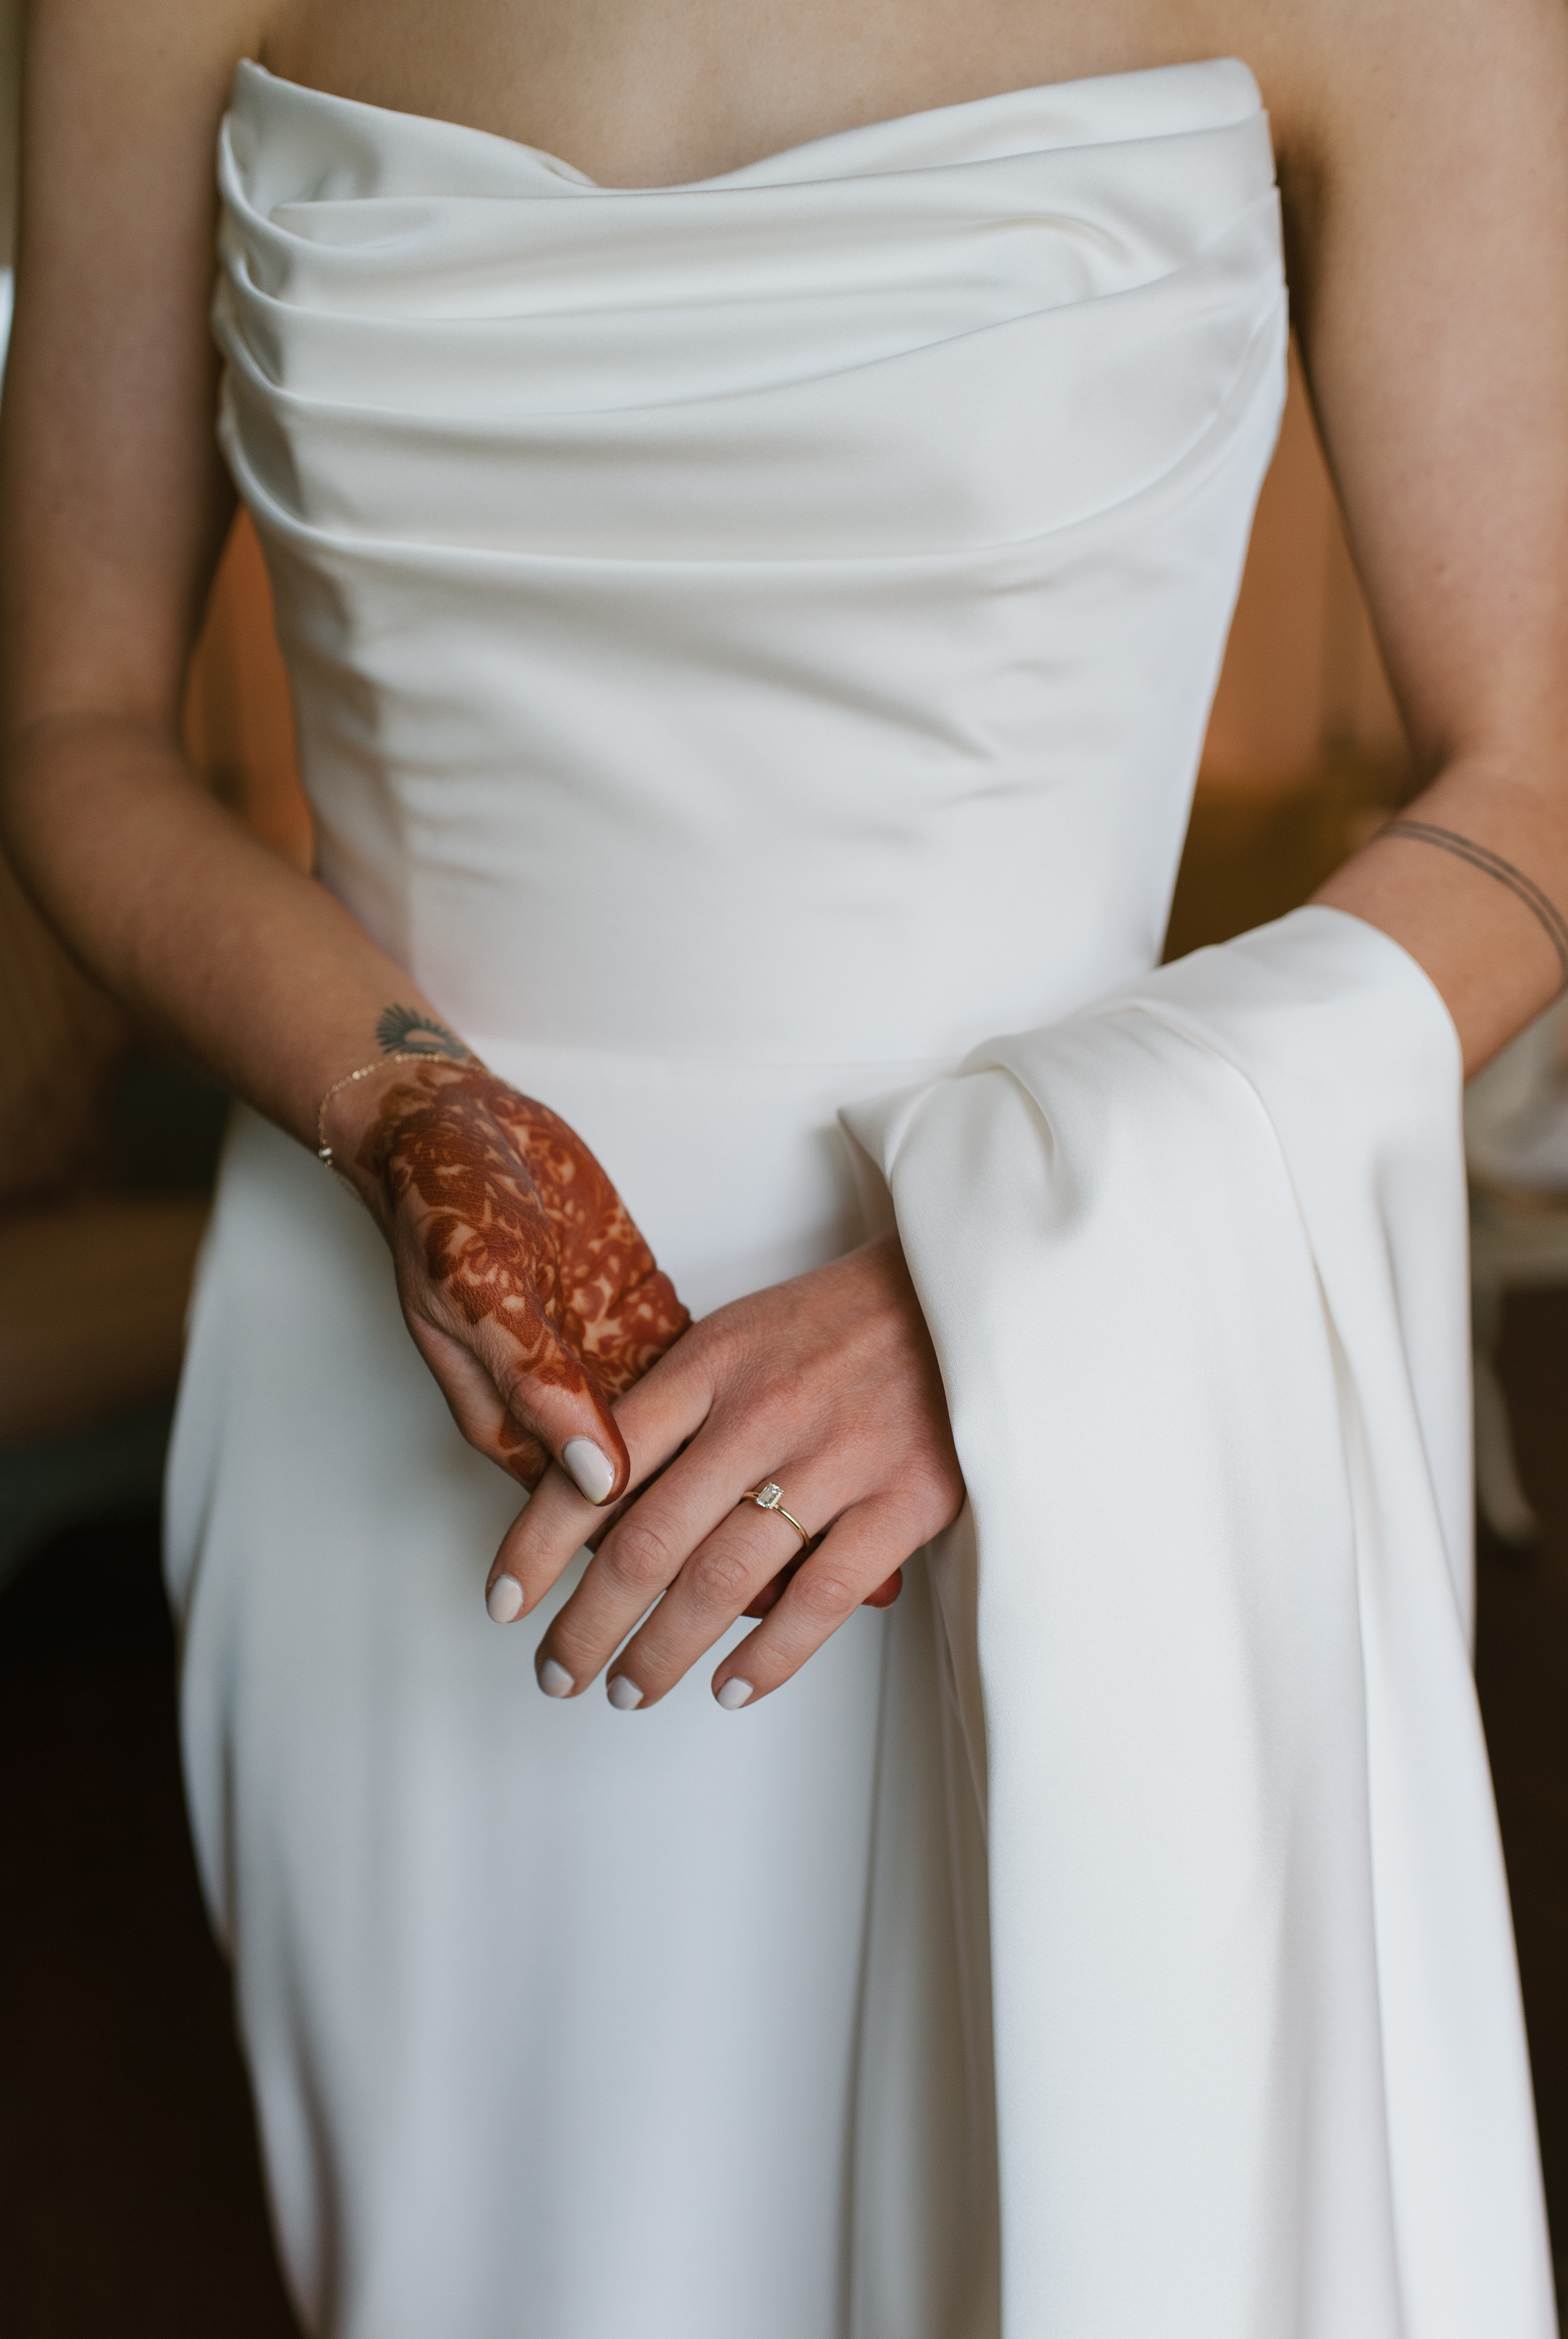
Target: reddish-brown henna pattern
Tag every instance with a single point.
(521, 1225)
(522, 1228)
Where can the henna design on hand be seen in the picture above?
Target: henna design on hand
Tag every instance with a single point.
(521, 1227)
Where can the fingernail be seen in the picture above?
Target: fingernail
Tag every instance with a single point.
(624, 1694)
(504, 1599)
(555, 1680)
(734, 1693)
(593, 1471)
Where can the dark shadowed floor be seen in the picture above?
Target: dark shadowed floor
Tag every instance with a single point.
(130, 2197)
(130, 2194)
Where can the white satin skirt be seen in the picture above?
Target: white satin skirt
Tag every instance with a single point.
(555, 2015)
(1110, 1940)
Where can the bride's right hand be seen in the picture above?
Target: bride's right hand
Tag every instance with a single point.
(525, 1285)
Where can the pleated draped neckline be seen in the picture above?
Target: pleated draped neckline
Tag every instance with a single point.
(1156, 101)
(876, 508)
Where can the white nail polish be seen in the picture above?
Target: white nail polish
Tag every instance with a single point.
(624, 1694)
(555, 1680)
(504, 1599)
(734, 1693)
(593, 1471)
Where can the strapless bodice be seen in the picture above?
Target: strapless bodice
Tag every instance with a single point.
(775, 616)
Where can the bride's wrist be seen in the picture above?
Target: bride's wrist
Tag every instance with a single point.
(353, 1109)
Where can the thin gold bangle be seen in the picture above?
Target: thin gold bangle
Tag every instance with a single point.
(1542, 907)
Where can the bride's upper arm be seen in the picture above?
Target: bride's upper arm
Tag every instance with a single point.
(113, 501)
(1423, 163)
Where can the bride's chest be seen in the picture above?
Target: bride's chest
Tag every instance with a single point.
(658, 93)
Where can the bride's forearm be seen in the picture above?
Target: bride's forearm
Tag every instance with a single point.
(1473, 880)
(203, 932)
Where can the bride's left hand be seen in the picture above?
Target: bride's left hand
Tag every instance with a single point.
(827, 1384)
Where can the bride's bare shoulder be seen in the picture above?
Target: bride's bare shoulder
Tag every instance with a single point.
(1422, 150)
(116, 92)
(140, 47)
(112, 502)
(1342, 72)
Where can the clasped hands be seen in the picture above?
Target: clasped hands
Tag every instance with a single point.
(567, 1358)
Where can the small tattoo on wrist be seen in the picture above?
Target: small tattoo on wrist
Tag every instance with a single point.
(403, 1030)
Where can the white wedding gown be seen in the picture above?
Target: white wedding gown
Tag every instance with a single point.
(751, 641)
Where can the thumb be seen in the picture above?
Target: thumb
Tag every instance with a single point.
(524, 1411)
(556, 1401)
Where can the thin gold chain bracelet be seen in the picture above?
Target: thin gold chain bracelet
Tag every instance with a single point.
(401, 1056)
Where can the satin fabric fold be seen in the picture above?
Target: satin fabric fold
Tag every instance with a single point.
(1195, 1263)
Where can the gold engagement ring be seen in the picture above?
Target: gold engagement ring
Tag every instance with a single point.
(769, 1498)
